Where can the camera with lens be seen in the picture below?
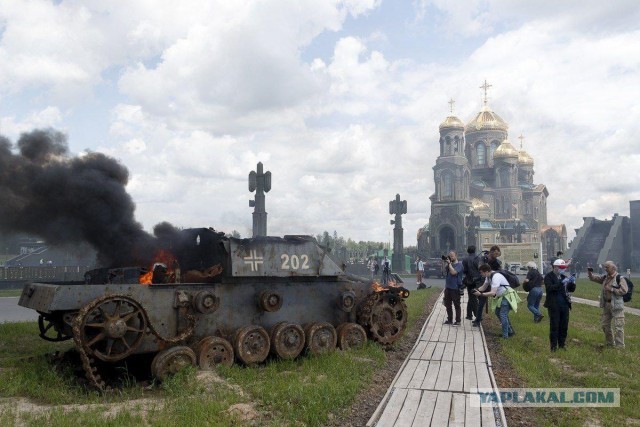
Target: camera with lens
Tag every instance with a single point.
(445, 258)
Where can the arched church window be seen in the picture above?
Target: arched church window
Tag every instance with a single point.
(504, 177)
(481, 152)
(447, 185)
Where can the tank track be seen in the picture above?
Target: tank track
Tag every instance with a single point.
(89, 364)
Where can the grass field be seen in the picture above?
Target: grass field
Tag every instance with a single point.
(586, 363)
(308, 391)
(585, 288)
(10, 292)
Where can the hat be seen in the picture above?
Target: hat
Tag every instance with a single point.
(532, 264)
(560, 263)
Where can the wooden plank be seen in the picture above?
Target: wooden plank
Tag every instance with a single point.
(419, 374)
(447, 354)
(458, 352)
(442, 409)
(457, 377)
(407, 374)
(430, 378)
(428, 331)
(437, 352)
(458, 410)
(444, 333)
(409, 409)
(472, 414)
(453, 333)
(417, 351)
(393, 407)
(478, 348)
(425, 410)
(428, 351)
(482, 372)
(470, 378)
(444, 376)
(488, 416)
(469, 355)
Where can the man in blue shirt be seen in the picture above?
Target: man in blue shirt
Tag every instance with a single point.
(452, 285)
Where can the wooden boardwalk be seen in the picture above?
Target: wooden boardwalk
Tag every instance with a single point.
(432, 386)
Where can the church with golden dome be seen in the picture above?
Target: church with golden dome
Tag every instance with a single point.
(484, 190)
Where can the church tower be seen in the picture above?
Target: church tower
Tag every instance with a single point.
(450, 203)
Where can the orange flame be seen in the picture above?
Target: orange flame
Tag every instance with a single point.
(166, 258)
(377, 287)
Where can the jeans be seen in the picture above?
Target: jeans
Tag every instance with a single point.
(503, 315)
(533, 301)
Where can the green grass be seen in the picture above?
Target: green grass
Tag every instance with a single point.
(10, 292)
(586, 363)
(307, 391)
(585, 288)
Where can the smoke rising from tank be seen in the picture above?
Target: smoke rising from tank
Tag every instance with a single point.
(65, 199)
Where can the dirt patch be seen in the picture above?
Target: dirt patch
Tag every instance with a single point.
(369, 398)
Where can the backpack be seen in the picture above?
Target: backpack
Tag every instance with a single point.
(626, 297)
(513, 280)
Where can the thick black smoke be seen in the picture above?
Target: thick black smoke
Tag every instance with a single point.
(44, 191)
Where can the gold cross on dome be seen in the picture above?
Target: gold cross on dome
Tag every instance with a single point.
(451, 104)
(521, 138)
(485, 86)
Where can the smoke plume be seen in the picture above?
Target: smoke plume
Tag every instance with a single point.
(44, 191)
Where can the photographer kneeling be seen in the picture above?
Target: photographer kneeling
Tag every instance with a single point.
(504, 299)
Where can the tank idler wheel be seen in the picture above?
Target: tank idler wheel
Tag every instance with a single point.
(351, 335)
(251, 344)
(214, 351)
(46, 323)
(171, 360)
(112, 327)
(388, 319)
(321, 337)
(287, 340)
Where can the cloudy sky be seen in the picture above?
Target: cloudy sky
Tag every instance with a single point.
(341, 100)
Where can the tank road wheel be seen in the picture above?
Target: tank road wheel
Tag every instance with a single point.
(112, 327)
(214, 351)
(251, 344)
(321, 337)
(171, 360)
(384, 316)
(46, 322)
(351, 335)
(287, 340)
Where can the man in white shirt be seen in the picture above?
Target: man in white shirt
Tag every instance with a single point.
(499, 287)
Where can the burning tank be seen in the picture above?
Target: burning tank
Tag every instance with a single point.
(210, 299)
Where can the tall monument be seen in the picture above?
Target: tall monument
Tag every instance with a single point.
(260, 183)
(398, 208)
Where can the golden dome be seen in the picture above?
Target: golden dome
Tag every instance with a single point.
(524, 158)
(505, 150)
(486, 120)
(452, 122)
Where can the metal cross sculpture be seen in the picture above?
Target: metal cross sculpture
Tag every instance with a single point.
(260, 183)
(518, 229)
(398, 208)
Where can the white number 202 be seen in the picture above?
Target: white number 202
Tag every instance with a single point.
(293, 262)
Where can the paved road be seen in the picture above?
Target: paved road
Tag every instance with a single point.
(10, 311)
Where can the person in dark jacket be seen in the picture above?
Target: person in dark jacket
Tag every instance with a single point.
(472, 279)
(558, 303)
(534, 281)
(490, 258)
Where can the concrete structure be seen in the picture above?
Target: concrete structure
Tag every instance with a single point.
(397, 208)
(617, 239)
(484, 190)
(260, 183)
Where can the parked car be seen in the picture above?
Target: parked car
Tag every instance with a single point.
(433, 268)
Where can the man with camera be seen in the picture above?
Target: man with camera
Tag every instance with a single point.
(452, 284)
(614, 287)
